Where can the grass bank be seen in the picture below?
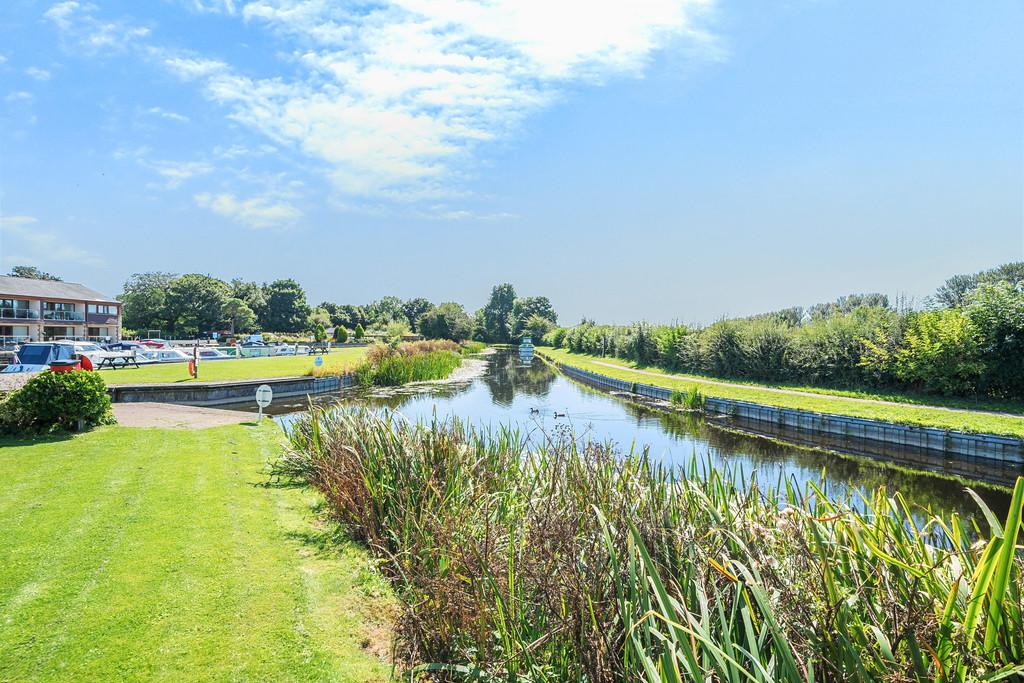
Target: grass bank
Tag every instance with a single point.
(334, 363)
(905, 413)
(573, 562)
(147, 554)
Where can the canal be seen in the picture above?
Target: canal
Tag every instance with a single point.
(502, 388)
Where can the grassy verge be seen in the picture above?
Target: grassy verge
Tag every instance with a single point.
(969, 421)
(575, 562)
(336, 362)
(145, 554)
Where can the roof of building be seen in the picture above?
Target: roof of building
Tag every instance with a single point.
(49, 289)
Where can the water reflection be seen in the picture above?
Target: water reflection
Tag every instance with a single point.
(527, 392)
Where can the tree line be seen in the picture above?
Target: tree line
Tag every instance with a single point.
(968, 340)
(191, 304)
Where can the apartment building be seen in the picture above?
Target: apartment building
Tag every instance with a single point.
(45, 310)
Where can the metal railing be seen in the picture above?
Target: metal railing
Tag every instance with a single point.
(11, 340)
(19, 314)
(67, 316)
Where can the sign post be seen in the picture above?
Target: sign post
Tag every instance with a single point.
(264, 395)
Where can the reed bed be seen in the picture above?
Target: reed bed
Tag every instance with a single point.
(409, 362)
(570, 561)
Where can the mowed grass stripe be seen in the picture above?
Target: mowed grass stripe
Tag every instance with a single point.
(336, 362)
(160, 556)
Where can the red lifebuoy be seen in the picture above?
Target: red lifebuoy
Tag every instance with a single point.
(86, 363)
(192, 367)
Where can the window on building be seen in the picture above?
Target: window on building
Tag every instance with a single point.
(103, 309)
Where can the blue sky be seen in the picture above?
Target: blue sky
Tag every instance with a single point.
(660, 160)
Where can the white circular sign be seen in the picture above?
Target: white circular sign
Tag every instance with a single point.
(264, 395)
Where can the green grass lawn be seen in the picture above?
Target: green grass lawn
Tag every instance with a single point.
(130, 554)
(336, 362)
(906, 413)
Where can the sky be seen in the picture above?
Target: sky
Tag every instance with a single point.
(665, 160)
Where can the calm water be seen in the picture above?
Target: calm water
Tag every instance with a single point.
(530, 393)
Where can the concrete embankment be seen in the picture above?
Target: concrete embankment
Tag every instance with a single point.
(220, 393)
(858, 431)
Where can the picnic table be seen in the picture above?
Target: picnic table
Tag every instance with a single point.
(117, 359)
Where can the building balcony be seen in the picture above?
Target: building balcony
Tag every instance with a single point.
(19, 314)
(64, 316)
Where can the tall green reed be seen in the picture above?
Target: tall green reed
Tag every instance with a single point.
(568, 560)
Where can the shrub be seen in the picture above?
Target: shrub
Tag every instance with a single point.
(359, 332)
(56, 400)
(340, 334)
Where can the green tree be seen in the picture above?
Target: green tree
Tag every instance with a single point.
(340, 334)
(496, 313)
(537, 326)
(319, 333)
(359, 332)
(448, 320)
(321, 317)
(955, 291)
(144, 301)
(940, 352)
(525, 308)
(32, 273)
(385, 310)
(239, 316)
(253, 295)
(413, 309)
(195, 303)
(394, 332)
(287, 310)
(996, 311)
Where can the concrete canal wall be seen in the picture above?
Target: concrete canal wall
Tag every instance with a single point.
(218, 393)
(1005, 449)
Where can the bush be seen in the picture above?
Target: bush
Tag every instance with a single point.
(409, 362)
(340, 334)
(56, 400)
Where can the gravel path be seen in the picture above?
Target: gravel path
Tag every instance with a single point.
(172, 416)
(9, 381)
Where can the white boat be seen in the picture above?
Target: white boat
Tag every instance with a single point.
(162, 356)
(37, 356)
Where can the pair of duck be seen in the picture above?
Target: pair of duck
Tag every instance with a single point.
(536, 411)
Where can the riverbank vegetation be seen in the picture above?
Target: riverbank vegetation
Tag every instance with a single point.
(968, 343)
(394, 365)
(900, 413)
(148, 554)
(575, 562)
(337, 362)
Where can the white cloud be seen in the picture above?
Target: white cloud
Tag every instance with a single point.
(38, 73)
(395, 97)
(19, 96)
(261, 211)
(42, 245)
(177, 172)
(169, 115)
(79, 25)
